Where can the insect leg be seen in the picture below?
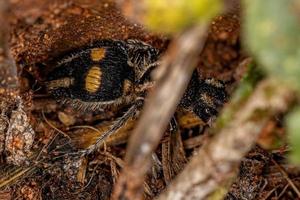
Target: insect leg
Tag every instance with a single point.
(173, 125)
(131, 112)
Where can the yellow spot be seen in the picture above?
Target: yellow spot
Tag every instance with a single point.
(188, 119)
(93, 79)
(97, 54)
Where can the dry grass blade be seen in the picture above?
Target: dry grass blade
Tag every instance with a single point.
(173, 156)
(15, 175)
(52, 126)
(286, 176)
(283, 191)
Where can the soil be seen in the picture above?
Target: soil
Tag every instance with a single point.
(45, 30)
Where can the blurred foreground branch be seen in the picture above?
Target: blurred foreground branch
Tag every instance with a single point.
(14, 122)
(8, 70)
(3, 21)
(217, 163)
(174, 75)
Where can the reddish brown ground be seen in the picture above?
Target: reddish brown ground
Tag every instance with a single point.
(43, 30)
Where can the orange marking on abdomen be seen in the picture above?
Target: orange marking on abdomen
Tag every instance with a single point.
(97, 54)
(93, 79)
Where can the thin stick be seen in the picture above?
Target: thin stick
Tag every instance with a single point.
(216, 164)
(270, 193)
(16, 175)
(9, 84)
(286, 176)
(52, 126)
(283, 191)
(175, 72)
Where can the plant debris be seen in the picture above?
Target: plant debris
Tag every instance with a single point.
(39, 137)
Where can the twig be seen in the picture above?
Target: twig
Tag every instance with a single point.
(217, 162)
(15, 175)
(174, 75)
(4, 6)
(270, 193)
(283, 191)
(9, 84)
(54, 127)
(286, 176)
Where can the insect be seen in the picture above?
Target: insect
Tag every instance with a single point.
(112, 73)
